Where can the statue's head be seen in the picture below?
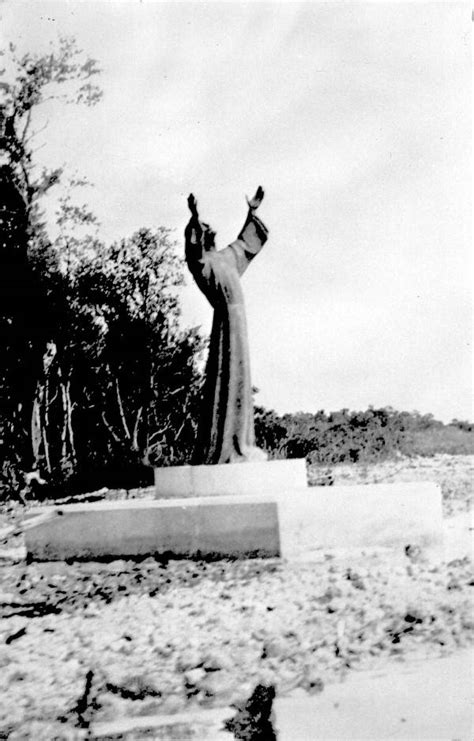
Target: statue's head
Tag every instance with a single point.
(208, 237)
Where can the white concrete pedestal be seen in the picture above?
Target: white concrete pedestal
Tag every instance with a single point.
(232, 478)
(285, 519)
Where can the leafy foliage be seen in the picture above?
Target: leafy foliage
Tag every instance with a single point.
(27, 262)
(97, 375)
(126, 363)
(351, 437)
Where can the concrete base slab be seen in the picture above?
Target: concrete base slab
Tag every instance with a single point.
(202, 725)
(298, 524)
(383, 516)
(232, 478)
(191, 528)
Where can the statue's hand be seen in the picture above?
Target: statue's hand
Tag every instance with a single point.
(255, 202)
(192, 203)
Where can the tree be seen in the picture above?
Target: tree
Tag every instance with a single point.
(270, 433)
(109, 379)
(337, 437)
(26, 258)
(128, 369)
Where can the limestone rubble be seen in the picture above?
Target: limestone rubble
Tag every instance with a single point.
(158, 638)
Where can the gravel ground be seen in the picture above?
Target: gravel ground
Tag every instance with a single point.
(454, 474)
(91, 641)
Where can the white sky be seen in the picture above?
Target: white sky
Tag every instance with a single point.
(354, 117)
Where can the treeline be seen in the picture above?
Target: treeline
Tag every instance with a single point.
(359, 437)
(117, 381)
(97, 376)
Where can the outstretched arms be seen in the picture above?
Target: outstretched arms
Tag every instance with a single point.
(253, 203)
(200, 237)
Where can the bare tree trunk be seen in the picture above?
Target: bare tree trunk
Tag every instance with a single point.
(135, 430)
(36, 431)
(68, 452)
(69, 421)
(120, 406)
(46, 426)
(110, 428)
(39, 416)
(64, 426)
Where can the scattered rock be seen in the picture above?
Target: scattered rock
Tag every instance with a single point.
(254, 719)
(16, 635)
(193, 677)
(206, 633)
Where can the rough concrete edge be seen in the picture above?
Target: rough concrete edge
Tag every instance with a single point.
(141, 503)
(210, 717)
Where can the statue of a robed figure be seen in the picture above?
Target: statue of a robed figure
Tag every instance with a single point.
(226, 425)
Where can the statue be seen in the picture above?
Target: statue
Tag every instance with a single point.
(226, 426)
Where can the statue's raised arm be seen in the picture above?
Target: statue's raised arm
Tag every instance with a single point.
(193, 231)
(192, 204)
(255, 202)
(199, 239)
(254, 232)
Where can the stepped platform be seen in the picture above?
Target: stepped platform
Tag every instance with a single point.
(250, 510)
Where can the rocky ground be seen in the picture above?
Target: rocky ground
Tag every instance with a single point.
(454, 474)
(89, 642)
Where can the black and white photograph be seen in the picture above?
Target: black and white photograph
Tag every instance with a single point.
(236, 371)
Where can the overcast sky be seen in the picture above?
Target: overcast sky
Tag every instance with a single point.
(354, 117)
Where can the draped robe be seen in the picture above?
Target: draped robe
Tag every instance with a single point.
(226, 425)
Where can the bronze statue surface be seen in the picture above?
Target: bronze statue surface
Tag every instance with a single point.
(226, 426)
